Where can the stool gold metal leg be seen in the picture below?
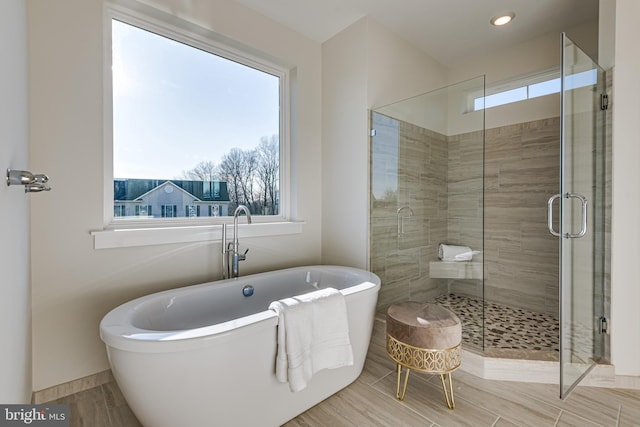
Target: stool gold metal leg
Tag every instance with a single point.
(451, 404)
(400, 396)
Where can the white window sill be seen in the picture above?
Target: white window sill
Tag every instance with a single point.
(131, 237)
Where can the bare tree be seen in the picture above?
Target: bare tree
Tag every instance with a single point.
(231, 172)
(238, 168)
(203, 171)
(252, 176)
(249, 168)
(268, 173)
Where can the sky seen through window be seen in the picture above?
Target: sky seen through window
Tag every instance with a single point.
(175, 106)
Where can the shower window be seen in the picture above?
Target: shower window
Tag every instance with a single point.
(529, 87)
(193, 120)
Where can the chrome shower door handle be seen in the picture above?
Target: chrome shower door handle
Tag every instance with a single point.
(550, 214)
(583, 223)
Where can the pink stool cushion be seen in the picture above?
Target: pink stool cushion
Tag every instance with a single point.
(424, 325)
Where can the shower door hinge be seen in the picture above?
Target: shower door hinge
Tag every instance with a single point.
(604, 101)
(373, 132)
(603, 325)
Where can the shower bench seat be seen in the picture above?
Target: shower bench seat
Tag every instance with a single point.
(455, 270)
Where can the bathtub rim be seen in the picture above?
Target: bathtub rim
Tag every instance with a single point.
(118, 332)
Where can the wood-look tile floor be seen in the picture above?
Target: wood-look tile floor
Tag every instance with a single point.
(370, 401)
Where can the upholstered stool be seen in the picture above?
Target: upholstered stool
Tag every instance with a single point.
(424, 337)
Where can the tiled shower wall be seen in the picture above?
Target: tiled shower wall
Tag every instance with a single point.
(409, 167)
(521, 172)
(465, 200)
(441, 179)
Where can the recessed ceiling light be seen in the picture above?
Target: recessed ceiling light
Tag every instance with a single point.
(502, 19)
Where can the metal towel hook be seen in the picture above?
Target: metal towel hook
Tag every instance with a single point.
(33, 183)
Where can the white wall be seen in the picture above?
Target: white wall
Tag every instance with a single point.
(537, 54)
(344, 148)
(15, 296)
(625, 248)
(396, 69)
(363, 67)
(534, 55)
(74, 286)
(606, 33)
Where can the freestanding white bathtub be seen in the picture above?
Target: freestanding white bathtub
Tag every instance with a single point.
(204, 355)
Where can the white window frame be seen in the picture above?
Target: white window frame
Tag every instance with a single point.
(198, 37)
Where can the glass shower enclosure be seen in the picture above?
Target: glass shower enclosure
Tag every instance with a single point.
(538, 282)
(427, 190)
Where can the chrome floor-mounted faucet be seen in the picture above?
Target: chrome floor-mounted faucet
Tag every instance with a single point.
(231, 249)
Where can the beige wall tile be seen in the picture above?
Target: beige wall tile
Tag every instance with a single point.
(441, 179)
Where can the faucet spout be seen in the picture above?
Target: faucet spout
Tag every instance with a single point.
(236, 214)
(235, 245)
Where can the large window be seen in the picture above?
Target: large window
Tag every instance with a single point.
(194, 124)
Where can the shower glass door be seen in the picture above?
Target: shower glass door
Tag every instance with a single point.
(580, 200)
(427, 189)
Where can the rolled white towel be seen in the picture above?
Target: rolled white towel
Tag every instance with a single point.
(455, 253)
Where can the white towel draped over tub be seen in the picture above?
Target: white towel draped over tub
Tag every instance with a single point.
(313, 334)
(455, 253)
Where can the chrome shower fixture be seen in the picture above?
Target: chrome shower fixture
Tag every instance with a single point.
(402, 217)
(33, 183)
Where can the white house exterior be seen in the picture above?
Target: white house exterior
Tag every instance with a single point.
(169, 199)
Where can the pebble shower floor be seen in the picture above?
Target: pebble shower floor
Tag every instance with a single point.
(506, 328)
